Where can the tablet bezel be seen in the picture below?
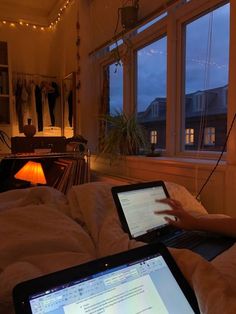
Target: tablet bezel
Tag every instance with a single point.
(23, 290)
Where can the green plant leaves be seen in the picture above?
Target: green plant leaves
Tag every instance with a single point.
(124, 135)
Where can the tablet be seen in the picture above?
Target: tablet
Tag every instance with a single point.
(136, 204)
(142, 280)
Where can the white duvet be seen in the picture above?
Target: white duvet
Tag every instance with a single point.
(43, 231)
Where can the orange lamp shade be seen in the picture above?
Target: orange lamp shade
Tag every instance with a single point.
(32, 172)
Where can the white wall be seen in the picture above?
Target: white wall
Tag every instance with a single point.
(29, 49)
(64, 42)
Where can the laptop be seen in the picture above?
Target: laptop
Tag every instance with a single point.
(143, 280)
(136, 204)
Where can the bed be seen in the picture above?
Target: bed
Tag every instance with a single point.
(43, 231)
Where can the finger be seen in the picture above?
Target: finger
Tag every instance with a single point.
(167, 211)
(163, 200)
(170, 201)
(171, 221)
(172, 212)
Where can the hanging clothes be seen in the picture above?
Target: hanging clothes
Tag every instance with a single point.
(25, 103)
(35, 100)
(39, 107)
(53, 93)
(19, 111)
(45, 106)
(32, 104)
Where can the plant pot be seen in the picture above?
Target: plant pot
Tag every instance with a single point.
(29, 129)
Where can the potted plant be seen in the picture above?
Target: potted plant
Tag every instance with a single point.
(124, 135)
(4, 138)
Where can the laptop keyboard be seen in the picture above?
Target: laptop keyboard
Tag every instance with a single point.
(185, 240)
(205, 244)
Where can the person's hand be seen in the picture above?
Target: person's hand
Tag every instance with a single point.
(184, 219)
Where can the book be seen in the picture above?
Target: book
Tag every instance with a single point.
(54, 174)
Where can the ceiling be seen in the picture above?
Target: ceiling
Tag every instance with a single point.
(34, 11)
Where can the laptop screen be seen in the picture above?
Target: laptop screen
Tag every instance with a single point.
(138, 206)
(144, 286)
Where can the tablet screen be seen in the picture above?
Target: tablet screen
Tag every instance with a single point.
(138, 206)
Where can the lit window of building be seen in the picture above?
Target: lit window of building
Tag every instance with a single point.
(189, 136)
(153, 137)
(209, 136)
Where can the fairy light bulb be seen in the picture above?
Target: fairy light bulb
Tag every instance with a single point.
(51, 25)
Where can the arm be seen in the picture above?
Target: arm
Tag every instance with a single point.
(224, 226)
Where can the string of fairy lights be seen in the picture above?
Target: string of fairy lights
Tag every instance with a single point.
(50, 26)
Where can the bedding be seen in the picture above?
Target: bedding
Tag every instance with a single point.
(43, 231)
(37, 237)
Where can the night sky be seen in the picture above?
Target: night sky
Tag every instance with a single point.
(207, 56)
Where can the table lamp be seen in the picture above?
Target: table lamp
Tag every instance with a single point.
(32, 172)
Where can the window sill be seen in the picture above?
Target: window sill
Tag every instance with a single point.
(184, 161)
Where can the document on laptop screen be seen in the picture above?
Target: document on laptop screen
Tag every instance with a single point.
(146, 286)
(139, 206)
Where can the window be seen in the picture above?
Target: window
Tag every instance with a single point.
(199, 102)
(151, 88)
(155, 109)
(153, 137)
(206, 75)
(195, 95)
(189, 136)
(209, 136)
(115, 83)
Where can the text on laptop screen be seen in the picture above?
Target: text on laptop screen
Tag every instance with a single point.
(139, 206)
(146, 286)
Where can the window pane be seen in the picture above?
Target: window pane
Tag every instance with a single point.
(151, 88)
(115, 88)
(206, 78)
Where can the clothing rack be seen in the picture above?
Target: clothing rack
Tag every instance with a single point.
(36, 97)
(34, 74)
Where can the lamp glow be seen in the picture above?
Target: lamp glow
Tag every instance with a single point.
(32, 172)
